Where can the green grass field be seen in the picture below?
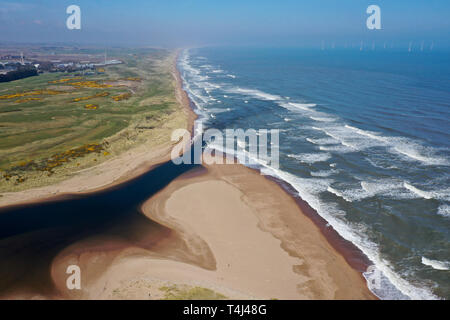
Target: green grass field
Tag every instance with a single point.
(45, 132)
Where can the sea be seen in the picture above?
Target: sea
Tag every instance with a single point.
(364, 139)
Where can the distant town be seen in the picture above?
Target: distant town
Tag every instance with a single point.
(17, 63)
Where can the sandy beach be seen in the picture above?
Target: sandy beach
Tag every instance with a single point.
(228, 230)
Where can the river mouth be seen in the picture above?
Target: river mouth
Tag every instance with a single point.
(33, 235)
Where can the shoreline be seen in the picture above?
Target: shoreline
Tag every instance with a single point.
(246, 239)
(352, 255)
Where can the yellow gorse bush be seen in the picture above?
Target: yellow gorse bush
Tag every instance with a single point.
(97, 95)
(90, 84)
(30, 93)
(122, 96)
(64, 80)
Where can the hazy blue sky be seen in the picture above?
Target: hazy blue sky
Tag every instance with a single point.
(197, 22)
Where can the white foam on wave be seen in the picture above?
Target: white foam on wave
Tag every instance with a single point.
(322, 141)
(404, 146)
(419, 153)
(444, 210)
(435, 264)
(421, 193)
(218, 110)
(407, 148)
(366, 133)
(254, 93)
(297, 106)
(389, 188)
(336, 137)
(322, 119)
(210, 86)
(377, 165)
(311, 157)
(442, 194)
(339, 194)
(336, 148)
(324, 173)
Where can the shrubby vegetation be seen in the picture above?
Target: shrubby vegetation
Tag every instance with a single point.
(21, 73)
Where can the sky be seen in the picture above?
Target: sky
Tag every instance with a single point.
(174, 23)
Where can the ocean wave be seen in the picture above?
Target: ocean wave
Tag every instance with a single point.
(336, 148)
(218, 110)
(417, 152)
(406, 147)
(435, 264)
(366, 133)
(390, 188)
(421, 193)
(379, 165)
(296, 106)
(324, 173)
(441, 194)
(339, 194)
(444, 210)
(210, 86)
(337, 137)
(322, 141)
(322, 119)
(311, 157)
(254, 93)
